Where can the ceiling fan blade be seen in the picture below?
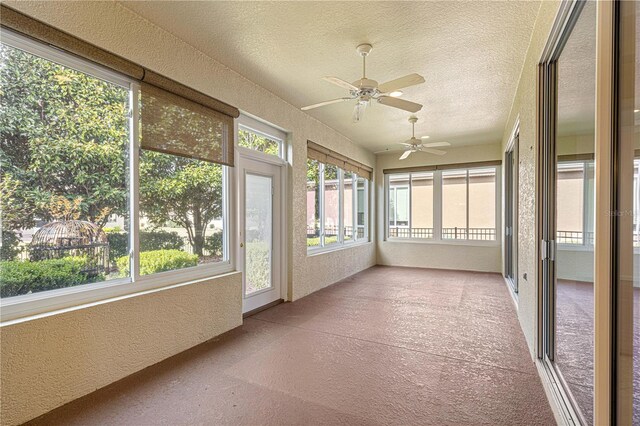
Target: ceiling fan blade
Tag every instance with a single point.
(333, 101)
(401, 83)
(405, 154)
(341, 83)
(433, 151)
(405, 143)
(358, 111)
(435, 144)
(400, 103)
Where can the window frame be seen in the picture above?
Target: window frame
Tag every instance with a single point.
(588, 199)
(25, 306)
(395, 204)
(366, 202)
(341, 243)
(250, 124)
(438, 209)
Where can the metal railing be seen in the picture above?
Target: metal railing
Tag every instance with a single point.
(578, 238)
(400, 232)
(332, 231)
(478, 234)
(482, 234)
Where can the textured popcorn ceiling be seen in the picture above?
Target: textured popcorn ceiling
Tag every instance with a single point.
(471, 54)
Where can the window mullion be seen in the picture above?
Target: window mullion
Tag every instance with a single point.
(410, 205)
(354, 207)
(367, 202)
(467, 233)
(437, 205)
(134, 183)
(340, 206)
(321, 212)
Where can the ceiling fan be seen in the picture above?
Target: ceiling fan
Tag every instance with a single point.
(414, 144)
(365, 89)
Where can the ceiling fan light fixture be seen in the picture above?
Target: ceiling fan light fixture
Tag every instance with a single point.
(396, 93)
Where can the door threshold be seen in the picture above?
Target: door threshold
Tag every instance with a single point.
(262, 308)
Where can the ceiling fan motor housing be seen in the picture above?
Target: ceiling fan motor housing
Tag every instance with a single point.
(366, 86)
(364, 49)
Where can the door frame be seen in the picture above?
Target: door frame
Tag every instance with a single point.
(279, 254)
(511, 171)
(254, 124)
(605, 154)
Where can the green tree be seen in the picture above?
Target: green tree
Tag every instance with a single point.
(62, 133)
(260, 143)
(182, 190)
(313, 184)
(65, 133)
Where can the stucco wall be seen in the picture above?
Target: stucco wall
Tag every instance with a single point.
(524, 109)
(216, 308)
(54, 359)
(449, 255)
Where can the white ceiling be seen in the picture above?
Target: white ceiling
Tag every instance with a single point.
(470, 53)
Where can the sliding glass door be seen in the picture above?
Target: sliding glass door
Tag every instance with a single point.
(511, 213)
(573, 357)
(627, 217)
(568, 82)
(589, 211)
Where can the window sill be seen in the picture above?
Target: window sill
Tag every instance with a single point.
(575, 247)
(429, 241)
(335, 247)
(33, 305)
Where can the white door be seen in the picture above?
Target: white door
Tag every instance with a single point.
(260, 233)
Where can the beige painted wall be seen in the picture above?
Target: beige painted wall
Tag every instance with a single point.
(200, 312)
(454, 255)
(54, 359)
(524, 109)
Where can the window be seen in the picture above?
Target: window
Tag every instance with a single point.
(313, 203)
(252, 139)
(181, 212)
(454, 204)
(79, 204)
(399, 205)
(411, 205)
(362, 208)
(636, 203)
(422, 205)
(258, 136)
(443, 204)
(64, 161)
(331, 204)
(575, 202)
(482, 203)
(336, 214)
(347, 205)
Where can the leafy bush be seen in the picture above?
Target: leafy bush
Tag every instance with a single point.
(149, 240)
(18, 278)
(118, 244)
(213, 244)
(10, 245)
(259, 271)
(314, 242)
(160, 240)
(159, 261)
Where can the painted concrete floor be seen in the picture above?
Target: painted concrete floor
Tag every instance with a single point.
(574, 344)
(386, 346)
